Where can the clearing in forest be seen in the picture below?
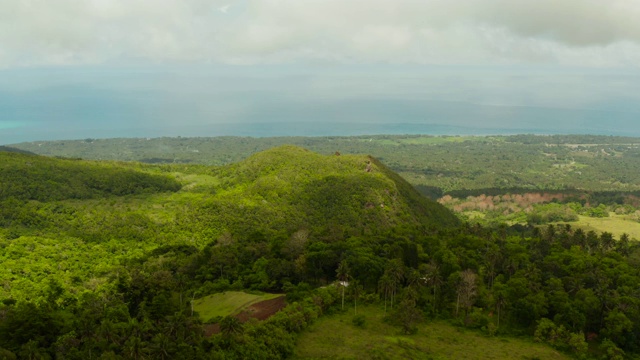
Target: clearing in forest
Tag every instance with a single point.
(615, 224)
(227, 303)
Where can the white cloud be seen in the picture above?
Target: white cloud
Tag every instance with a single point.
(567, 32)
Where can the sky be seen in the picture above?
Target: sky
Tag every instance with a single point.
(112, 68)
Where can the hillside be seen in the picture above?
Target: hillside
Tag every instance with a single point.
(135, 208)
(31, 177)
(290, 188)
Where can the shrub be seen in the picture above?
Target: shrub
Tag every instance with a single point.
(359, 321)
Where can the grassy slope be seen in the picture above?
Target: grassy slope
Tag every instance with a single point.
(227, 303)
(335, 337)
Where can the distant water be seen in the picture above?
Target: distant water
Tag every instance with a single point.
(94, 103)
(14, 134)
(392, 117)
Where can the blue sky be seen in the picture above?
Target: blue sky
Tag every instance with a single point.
(106, 68)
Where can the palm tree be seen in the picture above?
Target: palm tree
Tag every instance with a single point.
(161, 347)
(499, 299)
(434, 279)
(385, 284)
(231, 326)
(396, 273)
(108, 331)
(356, 290)
(343, 276)
(135, 348)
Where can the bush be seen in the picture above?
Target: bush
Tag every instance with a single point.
(560, 338)
(549, 213)
(612, 352)
(600, 211)
(359, 321)
(477, 319)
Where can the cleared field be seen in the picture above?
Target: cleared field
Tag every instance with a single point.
(615, 224)
(335, 337)
(227, 303)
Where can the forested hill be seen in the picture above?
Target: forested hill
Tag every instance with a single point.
(275, 192)
(11, 149)
(289, 187)
(32, 177)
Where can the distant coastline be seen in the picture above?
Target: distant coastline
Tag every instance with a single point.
(17, 135)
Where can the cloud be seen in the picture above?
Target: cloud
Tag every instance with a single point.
(567, 32)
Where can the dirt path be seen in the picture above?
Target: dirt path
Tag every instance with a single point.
(261, 311)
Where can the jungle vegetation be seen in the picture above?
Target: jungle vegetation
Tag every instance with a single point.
(101, 259)
(580, 169)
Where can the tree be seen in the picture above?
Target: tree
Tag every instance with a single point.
(356, 290)
(623, 245)
(7, 355)
(499, 299)
(467, 288)
(407, 313)
(31, 351)
(606, 241)
(395, 270)
(343, 276)
(431, 272)
(385, 286)
(135, 348)
(230, 326)
(161, 347)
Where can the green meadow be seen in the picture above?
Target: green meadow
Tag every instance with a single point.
(335, 337)
(615, 224)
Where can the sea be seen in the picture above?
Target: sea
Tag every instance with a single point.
(95, 103)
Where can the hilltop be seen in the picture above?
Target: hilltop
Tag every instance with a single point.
(289, 187)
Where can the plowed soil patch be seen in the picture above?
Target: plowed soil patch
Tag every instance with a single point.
(261, 311)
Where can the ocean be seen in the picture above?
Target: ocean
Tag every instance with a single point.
(94, 103)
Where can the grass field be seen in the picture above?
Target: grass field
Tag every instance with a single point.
(227, 303)
(335, 337)
(615, 224)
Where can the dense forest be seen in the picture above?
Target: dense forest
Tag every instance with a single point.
(103, 259)
(489, 180)
(436, 164)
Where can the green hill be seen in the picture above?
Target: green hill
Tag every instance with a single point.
(289, 188)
